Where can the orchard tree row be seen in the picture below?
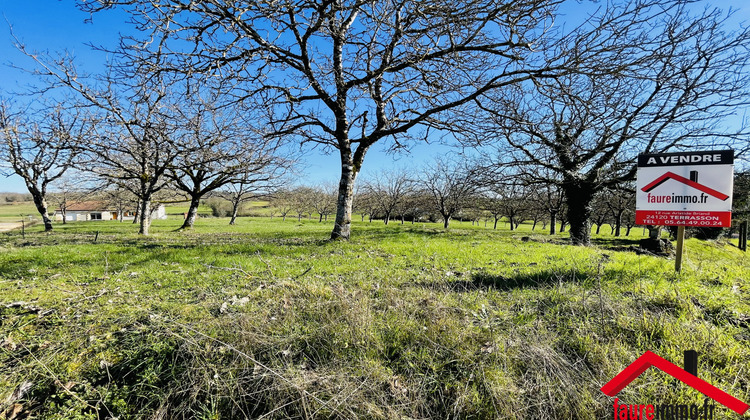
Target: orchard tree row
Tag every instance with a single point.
(563, 94)
(444, 191)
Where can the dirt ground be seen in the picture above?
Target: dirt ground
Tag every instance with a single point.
(4, 227)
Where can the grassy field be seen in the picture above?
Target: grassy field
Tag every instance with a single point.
(13, 212)
(268, 319)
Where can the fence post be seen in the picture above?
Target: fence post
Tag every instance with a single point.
(743, 236)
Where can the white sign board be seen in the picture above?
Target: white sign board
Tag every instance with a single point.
(685, 189)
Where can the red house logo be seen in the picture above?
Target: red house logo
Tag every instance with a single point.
(689, 182)
(687, 376)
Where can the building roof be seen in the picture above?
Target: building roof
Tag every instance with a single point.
(88, 206)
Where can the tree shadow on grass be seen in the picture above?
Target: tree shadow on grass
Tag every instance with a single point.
(527, 280)
(386, 234)
(487, 281)
(615, 242)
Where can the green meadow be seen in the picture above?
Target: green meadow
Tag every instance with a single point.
(268, 319)
(14, 212)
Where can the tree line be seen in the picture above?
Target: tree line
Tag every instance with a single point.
(563, 101)
(444, 191)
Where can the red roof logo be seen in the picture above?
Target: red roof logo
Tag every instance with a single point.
(671, 175)
(649, 359)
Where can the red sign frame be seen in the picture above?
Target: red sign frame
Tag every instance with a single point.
(685, 189)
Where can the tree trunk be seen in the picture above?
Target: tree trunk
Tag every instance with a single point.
(320, 219)
(41, 206)
(235, 209)
(579, 196)
(137, 214)
(192, 213)
(363, 217)
(534, 225)
(552, 222)
(512, 223)
(495, 225)
(402, 219)
(653, 231)
(387, 218)
(627, 230)
(145, 216)
(63, 212)
(446, 221)
(342, 227)
(283, 218)
(618, 223)
(598, 228)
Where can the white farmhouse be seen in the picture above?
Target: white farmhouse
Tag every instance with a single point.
(97, 210)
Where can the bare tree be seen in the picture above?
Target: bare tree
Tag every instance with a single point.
(40, 148)
(347, 74)
(741, 194)
(388, 189)
(650, 76)
(512, 200)
(70, 189)
(262, 175)
(416, 204)
(322, 198)
(629, 220)
(137, 148)
(619, 201)
(133, 143)
(493, 205)
(123, 201)
(363, 203)
(302, 198)
(451, 185)
(600, 212)
(551, 198)
(221, 147)
(283, 201)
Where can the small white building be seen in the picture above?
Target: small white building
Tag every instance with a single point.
(97, 210)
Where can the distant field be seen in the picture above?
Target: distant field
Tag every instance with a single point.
(403, 321)
(11, 212)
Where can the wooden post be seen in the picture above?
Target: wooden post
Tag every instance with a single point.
(743, 236)
(680, 246)
(690, 362)
(23, 229)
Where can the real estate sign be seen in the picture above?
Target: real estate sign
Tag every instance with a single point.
(685, 189)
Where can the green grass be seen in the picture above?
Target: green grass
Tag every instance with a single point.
(12, 212)
(403, 321)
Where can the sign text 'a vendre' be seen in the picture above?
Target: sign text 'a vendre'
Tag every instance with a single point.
(685, 189)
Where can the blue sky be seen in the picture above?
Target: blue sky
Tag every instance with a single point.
(54, 26)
